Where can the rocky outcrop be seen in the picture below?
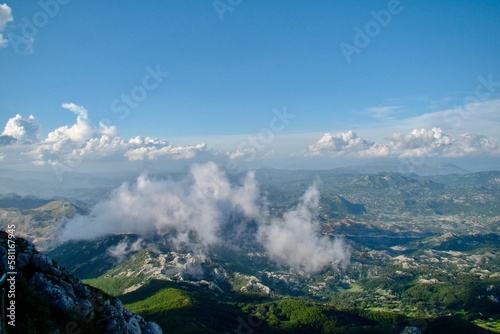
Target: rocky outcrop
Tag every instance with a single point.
(66, 294)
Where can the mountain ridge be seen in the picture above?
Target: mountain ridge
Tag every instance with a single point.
(63, 297)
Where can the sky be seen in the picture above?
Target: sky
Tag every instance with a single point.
(91, 84)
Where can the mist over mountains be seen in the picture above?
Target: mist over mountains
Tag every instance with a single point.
(192, 212)
(335, 237)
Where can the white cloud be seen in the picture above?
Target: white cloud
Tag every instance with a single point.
(474, 117)
(79, 132)
(70, 145)
(248, 153)
(435, 143)
(195, 207)
(80, 111)
(470, 144)
(125, 247)
(22, 129)
(5, 17)
(191, 213)
(343, 143)
(419, 142)
(294, 239)
(162, 148)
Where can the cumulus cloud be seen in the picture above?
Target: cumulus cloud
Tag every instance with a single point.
(69, 145)
(78, 132)
(192, 208)
(343, 143)
(294, 239)
(419, 142)
(5, 17)
(470, 144)
(435, 143)
(22, 129)
(191, 213)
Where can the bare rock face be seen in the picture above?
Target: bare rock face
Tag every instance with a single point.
(66, 294)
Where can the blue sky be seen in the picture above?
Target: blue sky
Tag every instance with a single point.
(231, 64)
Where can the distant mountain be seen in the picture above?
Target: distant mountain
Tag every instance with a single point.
(88, 188)
(92, 258)
(421, 246)
(386, 180)
(479, 179)
(39, 224)
(406, 167)
(470, 242)
(403, 166)
(21, 202)
(339, 207)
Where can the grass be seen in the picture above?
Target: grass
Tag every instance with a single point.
(355, 288)
(183, 308)
(491, 325)
(164, 300)
(115, 286)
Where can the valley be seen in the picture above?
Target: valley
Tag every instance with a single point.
(422, 254)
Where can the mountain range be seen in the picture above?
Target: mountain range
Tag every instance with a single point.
(423, 257)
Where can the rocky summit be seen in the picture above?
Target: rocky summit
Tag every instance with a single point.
(69, 305)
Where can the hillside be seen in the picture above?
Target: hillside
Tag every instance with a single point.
(49, 298)
(37, 223)
(423, 255)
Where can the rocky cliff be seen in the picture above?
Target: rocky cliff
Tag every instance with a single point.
(50, 299)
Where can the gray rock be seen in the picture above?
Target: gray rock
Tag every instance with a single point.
(116, 326)
(151, 328)
(128, 314)
(82, 291)
(55, 271)
(68, 288)
(117, 303)
(133, 326)
(85, 309)
(23, 260)
(66, 293)
(42, 262)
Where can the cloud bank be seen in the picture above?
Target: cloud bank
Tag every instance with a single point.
(419, 142)
(70, 145)
(192, 212)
